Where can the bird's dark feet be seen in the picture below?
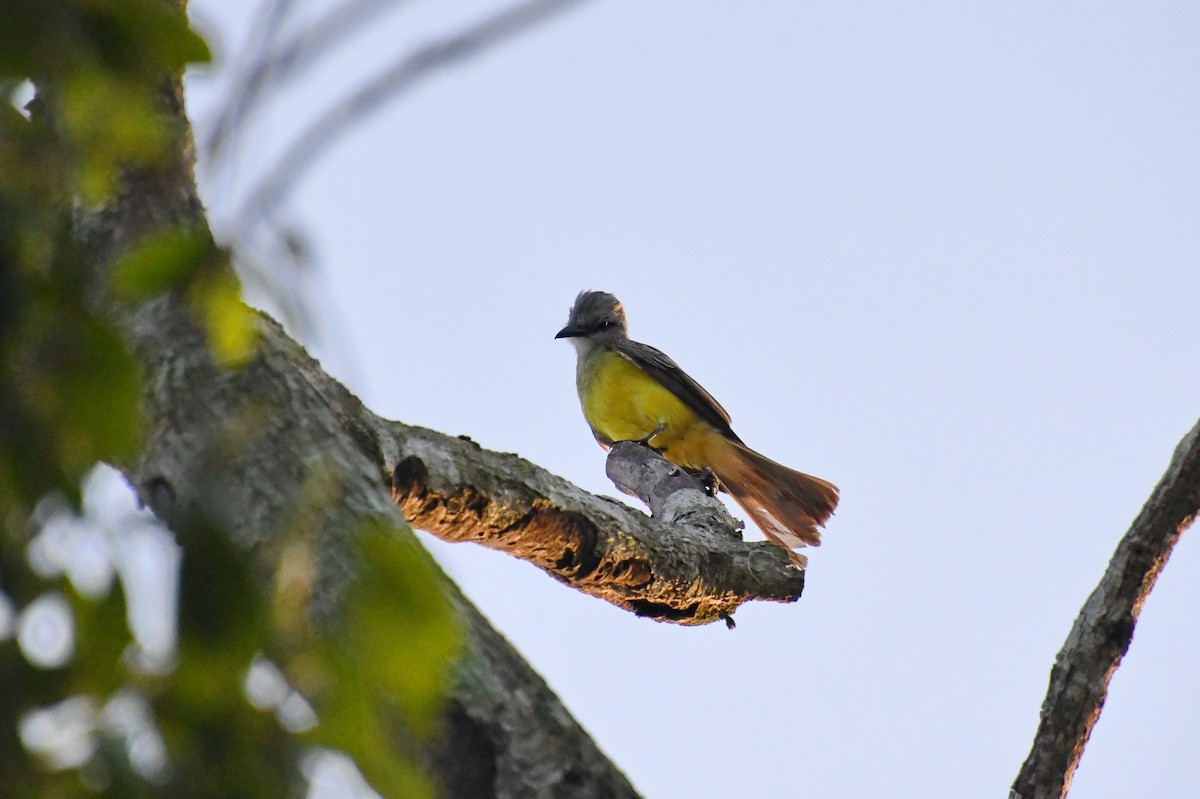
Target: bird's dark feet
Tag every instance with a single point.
(711, 483)
(729, 622)
(645, 442)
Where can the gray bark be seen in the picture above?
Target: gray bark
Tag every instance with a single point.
(1104, 628)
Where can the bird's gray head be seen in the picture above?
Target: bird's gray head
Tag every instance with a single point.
(596, 315)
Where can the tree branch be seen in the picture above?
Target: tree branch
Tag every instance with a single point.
(273, 64)
(689, 566)
(1104, 628)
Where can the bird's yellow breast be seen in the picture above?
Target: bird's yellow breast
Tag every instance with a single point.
(622, 402)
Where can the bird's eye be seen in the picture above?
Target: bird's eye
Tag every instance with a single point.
(606, 323)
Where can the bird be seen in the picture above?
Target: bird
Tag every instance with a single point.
(631, 391)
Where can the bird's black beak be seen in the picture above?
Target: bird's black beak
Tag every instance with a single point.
(570, 331)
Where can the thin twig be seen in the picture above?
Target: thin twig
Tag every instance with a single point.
(277, 65)
(269, 21)
(400, 77)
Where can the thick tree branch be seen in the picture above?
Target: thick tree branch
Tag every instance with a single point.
(1103, 631)
(688, 567)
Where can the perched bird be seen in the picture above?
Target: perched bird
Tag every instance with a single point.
(632, 392)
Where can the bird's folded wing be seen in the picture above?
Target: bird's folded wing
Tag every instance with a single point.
(659, 366)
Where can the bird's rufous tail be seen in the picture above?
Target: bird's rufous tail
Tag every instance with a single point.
(787, 505)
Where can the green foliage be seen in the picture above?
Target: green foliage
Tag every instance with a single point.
(231, 325)
(101, 637)
(99, 64)
(85, 384)
(113, 123)
(385, 677)
(132, 38)
(68, 389)
(217, 744)
(69, 396)
(162, 262)
(190, 261)
(404, 630)
(378, 675)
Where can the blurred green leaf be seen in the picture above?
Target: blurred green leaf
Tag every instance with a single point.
(52, 38)
(112, 123)
(390, 665)
(30, 35)
(403, 629)
(141, 37)
(221, 608)
(231, 324)
(101, 64)
(28, 463)
(81, 378)
(163, 262)
(101, 639)
(219, 744)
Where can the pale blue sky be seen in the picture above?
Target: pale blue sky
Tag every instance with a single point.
(943, 255)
